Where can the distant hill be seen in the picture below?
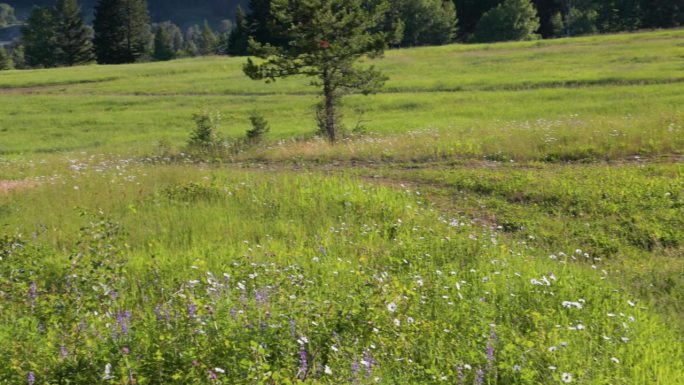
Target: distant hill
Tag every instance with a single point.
(181, 12)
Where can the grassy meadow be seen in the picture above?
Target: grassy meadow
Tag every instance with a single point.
(510, 214)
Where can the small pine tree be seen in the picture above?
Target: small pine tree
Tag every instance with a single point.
(327, 38)
(259, 128)
(510, 20)
(39, 38)
(73, 36)
(163, 45)
(205, 137)
(5, 60)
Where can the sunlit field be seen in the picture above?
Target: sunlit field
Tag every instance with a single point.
(508, 214)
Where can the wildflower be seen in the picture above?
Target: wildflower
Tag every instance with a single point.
(566, 377)
(397, 323)
(303, 362)
(125, 350)
(63, 352)
(192, 310)
(108, 372)
(615, 360)
(479, 379)
(516, 368)
(392, 307)
(219, 370)
(327, 370)
(293, 327)
(30, 378)
(33, 291)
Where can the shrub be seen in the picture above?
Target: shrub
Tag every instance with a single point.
(259, 128)
(204, 137)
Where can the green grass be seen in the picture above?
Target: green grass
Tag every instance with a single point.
(513, 212)
(594, 82)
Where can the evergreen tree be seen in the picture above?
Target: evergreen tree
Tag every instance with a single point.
(662, 13)
(192, 38)
(428, 22)
(122, 31)
(326, 38)
(208, 42)
(73, 36)
(163, 45)
(39, 38)
(175, 35)
(7, 16)
(5, 60)
(237, 40)
(511, 20)
(619, 15)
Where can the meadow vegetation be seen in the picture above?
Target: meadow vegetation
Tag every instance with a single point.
(508, 214)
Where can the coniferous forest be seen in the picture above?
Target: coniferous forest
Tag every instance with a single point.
(70, 32)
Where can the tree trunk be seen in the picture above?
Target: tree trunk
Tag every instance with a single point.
(329, 109)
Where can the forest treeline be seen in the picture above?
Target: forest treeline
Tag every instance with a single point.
(122, 31)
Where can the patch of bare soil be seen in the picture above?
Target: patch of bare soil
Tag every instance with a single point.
(7, 186)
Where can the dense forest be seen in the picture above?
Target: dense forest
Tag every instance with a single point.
(183, 12)
(72, 32)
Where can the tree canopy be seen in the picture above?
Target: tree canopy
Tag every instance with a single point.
(326, 39)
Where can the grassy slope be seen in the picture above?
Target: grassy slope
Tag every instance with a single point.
(596, 83)
(454, 263)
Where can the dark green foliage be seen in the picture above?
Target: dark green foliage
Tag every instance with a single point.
(192, 37)
(5, 60)
(122, 31)
(428, 22)
(511, 20)
(259, 128)
(470, 12)
(205, 137)
(73, 36)
(326, 38)
(175, 35)
(7, 17)
(40, 39)
(618, 15)
(163, 45)
(662, 13)
(237, 40)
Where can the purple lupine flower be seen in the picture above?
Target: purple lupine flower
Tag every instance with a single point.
(33, 292)
(233, 313)
(355, 371)
(122, 319)
(459, 374)
(125, 350)
(490, 349)
(113, 295)
(368, 363)
(261, 297)
(212, 375)
(303, 362)
(157, 312)
(192, 310)
(293, 328)
(490, 357)
(30, 378)
(83, 325)
(479, 379)
(63, 352)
